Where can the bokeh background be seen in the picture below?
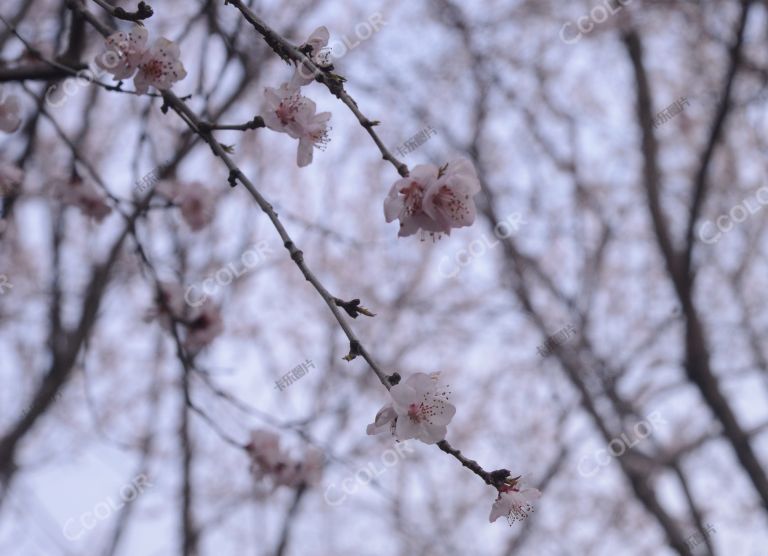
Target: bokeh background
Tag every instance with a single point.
(557, 104)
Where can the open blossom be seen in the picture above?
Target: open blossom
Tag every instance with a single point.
(9, 113)
(203, 327)
(11, 177)
(385, 419)
(85, 197)
(419, 409)
(318, 40)
(123, 53)
(433, 199)
(287, 111)
(198, 205)
(406, 199)
(269, 460)
(160, 67)
(127, 52)
(514, 501)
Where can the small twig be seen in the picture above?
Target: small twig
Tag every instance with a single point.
(64, 70)
(490, 478)
(171, 101)
(335, 83)
(143, 11)
(353, 308)
(255, 123)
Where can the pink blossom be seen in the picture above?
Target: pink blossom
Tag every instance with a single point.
(203, 327)
(514, 501)
(406, 199)
(318, 40)
(434, 200)
(9, 113)
(11, 177)
(450, 200)
(160, 67)
(268, 460)
(385, 419)
(289, 112)
(419, 409)
(85, 197)
(198, 205)
(124, 52)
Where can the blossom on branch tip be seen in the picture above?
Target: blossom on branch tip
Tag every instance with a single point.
(514, 501)
(433, 199)
(291, 113)
(9, 113)
(419, 409)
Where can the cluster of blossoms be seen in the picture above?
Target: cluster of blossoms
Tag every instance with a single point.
(288, 111)
(201, 326)
(11, 175)
(270, 461)
(431, 200)
(434, 199)
(419, 409)
(126, 53)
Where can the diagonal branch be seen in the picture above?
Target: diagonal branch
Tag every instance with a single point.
(698, 359)
(701, 183)
(204, 131)
(335, 84)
